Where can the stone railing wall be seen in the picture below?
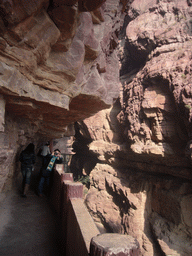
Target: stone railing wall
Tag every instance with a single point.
(80, 235)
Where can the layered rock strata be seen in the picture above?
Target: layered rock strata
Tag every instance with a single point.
(58, 64)
(52, 59)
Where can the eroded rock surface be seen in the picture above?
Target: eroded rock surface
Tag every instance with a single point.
(157, 99)
(49, 59)
(58, 64)
(141, 182)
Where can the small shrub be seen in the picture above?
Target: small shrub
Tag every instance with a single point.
(188, 107)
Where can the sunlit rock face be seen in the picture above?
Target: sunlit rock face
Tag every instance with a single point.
(156, 99)
(52, 58)
(141, 182)
(58, 64)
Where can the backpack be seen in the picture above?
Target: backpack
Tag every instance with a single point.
(27, 158)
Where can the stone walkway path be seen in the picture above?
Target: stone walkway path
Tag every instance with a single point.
(28, 226)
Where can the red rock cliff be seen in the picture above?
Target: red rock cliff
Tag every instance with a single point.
(58, 65)
(141, 147)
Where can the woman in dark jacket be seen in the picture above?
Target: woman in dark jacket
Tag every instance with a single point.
(27, 159)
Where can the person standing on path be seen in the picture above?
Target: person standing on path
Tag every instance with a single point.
(48, 164)
(46, 149)
(27, 159)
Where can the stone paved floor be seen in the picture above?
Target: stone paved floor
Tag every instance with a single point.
(28, 226)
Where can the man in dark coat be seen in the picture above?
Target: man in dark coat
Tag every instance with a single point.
(48, 164)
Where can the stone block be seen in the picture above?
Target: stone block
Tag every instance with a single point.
(114, 245)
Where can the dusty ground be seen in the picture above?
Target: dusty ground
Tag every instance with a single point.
(28, 226)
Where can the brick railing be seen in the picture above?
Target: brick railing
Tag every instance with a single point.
(80, 236)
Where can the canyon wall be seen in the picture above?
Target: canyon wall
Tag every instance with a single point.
(139, 152)
(57, 66)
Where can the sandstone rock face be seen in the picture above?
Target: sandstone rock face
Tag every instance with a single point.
(141, 182)
(156, 100)
(130, 196)
(58, 64)
(51, 57)
(146, 207)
